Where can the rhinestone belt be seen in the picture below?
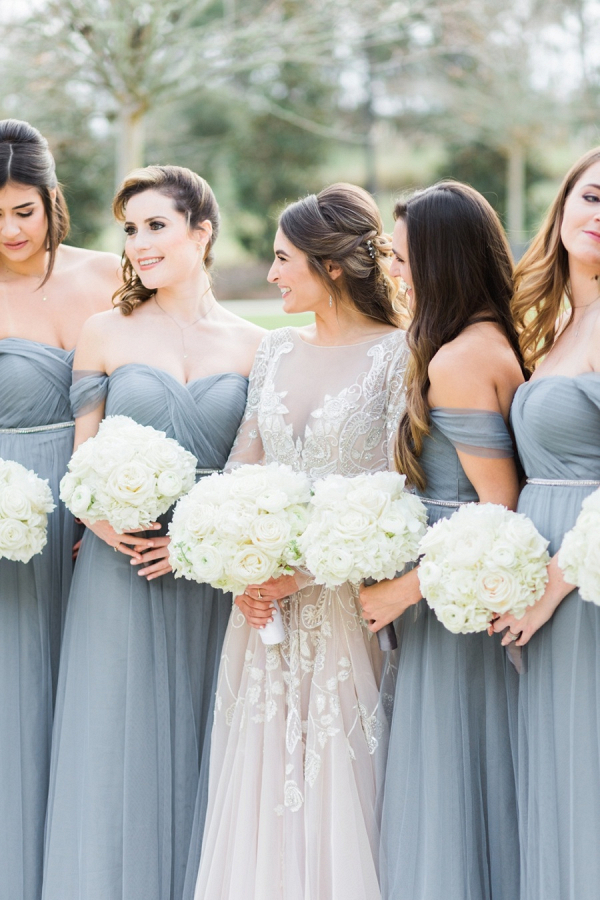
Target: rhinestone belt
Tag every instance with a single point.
(37, 428)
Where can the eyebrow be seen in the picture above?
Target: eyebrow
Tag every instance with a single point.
(151, 219)
(24, 205)
(597, 186)
(282, 253)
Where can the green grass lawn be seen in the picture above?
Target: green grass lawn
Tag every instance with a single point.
(280, 320)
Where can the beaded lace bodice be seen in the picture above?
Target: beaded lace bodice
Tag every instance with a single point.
(323, 409)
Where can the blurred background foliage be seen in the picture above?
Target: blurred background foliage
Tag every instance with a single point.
(272, 100)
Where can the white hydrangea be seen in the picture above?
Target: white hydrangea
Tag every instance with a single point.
(579, 555)
(241, 527)
(128, 474)
(25, 501)
(363, 527)
(480, 562)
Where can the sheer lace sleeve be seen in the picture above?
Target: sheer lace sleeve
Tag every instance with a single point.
(396, 399)
(248, 446)
(88, 391)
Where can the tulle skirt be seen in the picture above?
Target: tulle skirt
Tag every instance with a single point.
(137, 680)
(33, 598)
(292, 809)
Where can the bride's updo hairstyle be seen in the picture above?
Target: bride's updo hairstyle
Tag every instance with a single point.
(192, 197)
(542, 287)
(25, 159)
(342, 224)
(461, 269)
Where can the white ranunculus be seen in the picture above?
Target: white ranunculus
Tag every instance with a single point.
(272, 501)
(207, 563)
(579, 554)
(453, 617)
(80, 500)
(170, 484)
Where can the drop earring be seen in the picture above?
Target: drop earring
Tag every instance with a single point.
(330, 301)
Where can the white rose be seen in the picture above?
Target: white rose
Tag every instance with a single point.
(497, 590)
(354, 524)
(199, 520)
(250, 486)
(13, 535)
(272, 501)
(68, 484)
(368, 501)
(470, 548)
(251, 565)
(14, 503)
(131, 483)
(270, 532)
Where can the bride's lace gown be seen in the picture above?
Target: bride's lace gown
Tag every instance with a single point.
(292, 789)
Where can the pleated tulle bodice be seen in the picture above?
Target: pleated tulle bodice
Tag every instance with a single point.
(556, 421)
(477, 432)
(202, 415)
(34, 383)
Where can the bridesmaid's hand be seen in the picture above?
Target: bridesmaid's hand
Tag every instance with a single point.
(385, 601)
(159, 556)
(129, 544)
(257, 613)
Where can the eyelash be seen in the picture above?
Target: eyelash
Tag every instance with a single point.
(155, 226)
(25, 215)
(593, 197)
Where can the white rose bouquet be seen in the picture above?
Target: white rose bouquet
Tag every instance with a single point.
(128, 474)
(579, 555)
(25, 501)
(241, 528)
(482, 561)
(366, 527)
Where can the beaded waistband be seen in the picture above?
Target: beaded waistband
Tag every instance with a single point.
(37, 428)
(558, 482)
(202, 472)
(452, 503)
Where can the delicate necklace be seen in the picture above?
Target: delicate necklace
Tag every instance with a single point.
(183, 328)
(584, 314)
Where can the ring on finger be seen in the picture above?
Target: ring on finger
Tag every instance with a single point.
(513, 636)
(259, 594)
(116, 547)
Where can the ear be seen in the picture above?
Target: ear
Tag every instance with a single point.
(333, 269)
(203, 233)
(52, 193)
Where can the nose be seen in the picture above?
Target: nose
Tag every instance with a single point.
(9, 227)
(395, 268)
(273, 275)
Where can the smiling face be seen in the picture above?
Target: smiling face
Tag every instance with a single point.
(580, 230)
(23, 223)
(400, 267)
(301, 289)
(161, 248)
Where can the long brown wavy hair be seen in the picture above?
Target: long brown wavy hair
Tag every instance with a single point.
(342, 223)
(461, 270)
(25, 159)
(192, 197)
(542, 286)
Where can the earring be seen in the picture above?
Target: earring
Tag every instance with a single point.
(330, 301)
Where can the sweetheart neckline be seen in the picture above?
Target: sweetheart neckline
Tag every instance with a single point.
(183, 384)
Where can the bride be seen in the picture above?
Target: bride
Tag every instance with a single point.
(292, 787)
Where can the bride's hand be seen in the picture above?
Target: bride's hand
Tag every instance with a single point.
(385, 601)
(158, 555)
(257, 613)
(259, 600)
(129, 544)
(273, 589)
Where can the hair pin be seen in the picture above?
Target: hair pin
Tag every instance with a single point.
(371, 249)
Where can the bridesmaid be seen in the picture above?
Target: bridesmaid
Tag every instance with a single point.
(141, 650)
(47, 291)
(556, 419)
(449, 826)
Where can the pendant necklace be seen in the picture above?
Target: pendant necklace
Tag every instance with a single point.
(183, 328)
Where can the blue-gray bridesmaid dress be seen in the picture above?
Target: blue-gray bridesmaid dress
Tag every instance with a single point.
(556, 421)
(138, 672)
(449, 820)
(35, 430)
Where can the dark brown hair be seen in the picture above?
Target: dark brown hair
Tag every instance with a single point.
(542, 287)
(25, 159)
(342, 224)
(461, 270)
(192, 197)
